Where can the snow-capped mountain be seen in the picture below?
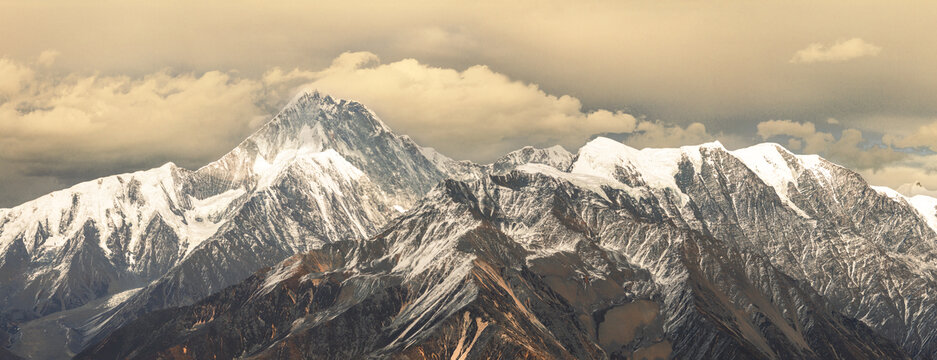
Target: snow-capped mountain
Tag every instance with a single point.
(322, 170)
(368, 245)
(696, 252)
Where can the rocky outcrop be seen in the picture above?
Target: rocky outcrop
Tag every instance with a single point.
(520, 265)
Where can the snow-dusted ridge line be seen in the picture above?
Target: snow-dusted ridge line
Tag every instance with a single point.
(129, 230)
(99, 197)
(768, 162)
(295, 157)
(739, 251)
(590, 182)
(657, 167)
(925, 205)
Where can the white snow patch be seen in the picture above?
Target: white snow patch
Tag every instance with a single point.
(657, 167)
(887, 191)
(120, 297)
(554, 155)
(587, 181)
(104, 202)
(303, 157)
(927, 207)
(206, 216)
(816, 164)
(435, 156)
(766, 161)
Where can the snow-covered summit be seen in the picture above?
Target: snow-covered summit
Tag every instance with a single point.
(325, 170)
(649, 167)
(780, 169)
(658, 168)
(333, 161)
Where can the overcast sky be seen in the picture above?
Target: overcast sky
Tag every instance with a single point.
(97, 88)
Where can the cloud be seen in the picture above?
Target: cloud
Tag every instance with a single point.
(14, 77)
(850, 149)
(924, 136)
(914, 168)
(657, 134)
(61, 128)
(47, 58)
(79, 126)
(476, 113)
(813, 142)
(437, 41)
(838, 52)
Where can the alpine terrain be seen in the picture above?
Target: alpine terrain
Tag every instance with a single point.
(326, 236)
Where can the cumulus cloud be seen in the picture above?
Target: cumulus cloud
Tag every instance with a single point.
(79, 126)
(83, 125)
(809, 140)
(853, 150)
(838, 52)
(850, 149)
(14, 77)
(476, 113)
(657, 134)
(914, 168)
(47, 58)
(924, 136)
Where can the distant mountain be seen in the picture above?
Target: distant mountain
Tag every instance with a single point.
(697, 252)
(914, 189)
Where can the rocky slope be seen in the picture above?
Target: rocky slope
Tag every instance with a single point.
(696, 252)
(80, 262)
(371, 246)
(321, 171)
(524, 265)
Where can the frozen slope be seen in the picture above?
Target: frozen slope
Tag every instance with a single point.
(690, 253)
(749, 253)
(322, 170)
(521, 265)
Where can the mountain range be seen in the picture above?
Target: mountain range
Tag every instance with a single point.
(326, 235)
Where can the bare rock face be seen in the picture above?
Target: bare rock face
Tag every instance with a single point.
(321, 171)
(325, 235)
(104, 252)
(522, 265)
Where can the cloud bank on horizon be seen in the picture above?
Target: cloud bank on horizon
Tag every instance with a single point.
(840, 51)
(148, 83)
(92, 125)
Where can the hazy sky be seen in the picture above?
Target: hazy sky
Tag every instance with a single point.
(94, 88)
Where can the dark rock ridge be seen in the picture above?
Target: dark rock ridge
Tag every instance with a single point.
(325, 235)
(522, 265)
(104, 252)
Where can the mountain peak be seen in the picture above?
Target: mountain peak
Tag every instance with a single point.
(307, 96)
(715, 144)
(914, 189)
(310, 122)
